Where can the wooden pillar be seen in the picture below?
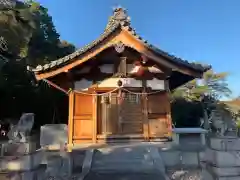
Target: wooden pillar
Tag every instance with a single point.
(145, 112)
(169, 118)
(94, 138)
(70, 121)
(119, 111)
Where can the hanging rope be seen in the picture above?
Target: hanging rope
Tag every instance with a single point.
(105, 93)
(95, 94)
(142, 93)
(109, 92)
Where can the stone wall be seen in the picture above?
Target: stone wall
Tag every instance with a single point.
(222, 158)
(219, 160)
(21, 161)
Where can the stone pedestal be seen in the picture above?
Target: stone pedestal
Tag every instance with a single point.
(20, 156)
(22, 161)
(223, 158)
(178, 131)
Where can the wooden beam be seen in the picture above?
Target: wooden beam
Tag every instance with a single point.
(70, 121)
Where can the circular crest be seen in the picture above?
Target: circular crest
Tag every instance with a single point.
(119, 47)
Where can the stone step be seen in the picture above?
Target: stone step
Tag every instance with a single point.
(124, 176)
(133, 159)
(120, 154)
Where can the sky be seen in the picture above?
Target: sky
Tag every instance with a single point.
(205, 31)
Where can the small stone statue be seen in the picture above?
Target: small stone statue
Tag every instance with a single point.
(221, 123)
(217, 122)
(20, 131)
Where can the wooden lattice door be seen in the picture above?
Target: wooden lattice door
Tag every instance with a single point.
(130, 113)
(121, 113)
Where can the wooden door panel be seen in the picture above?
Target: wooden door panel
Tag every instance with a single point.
(83, 105)
(158, 126)
(157, 114)
(157, 103)
(83, 128)
(83, 117)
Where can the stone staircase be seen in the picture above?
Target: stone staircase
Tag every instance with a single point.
(133, 162)
(135, 159)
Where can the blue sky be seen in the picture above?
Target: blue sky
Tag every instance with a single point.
(196, 30)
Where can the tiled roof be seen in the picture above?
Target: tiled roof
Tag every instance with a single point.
(118, 20)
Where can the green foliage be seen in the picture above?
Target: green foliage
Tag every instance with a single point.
(16, 25)
(31, 39)
(212, 84)
(30, 33)
(190, 100)
(238, 123)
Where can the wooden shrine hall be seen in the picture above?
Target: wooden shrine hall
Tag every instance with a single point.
(118, 86)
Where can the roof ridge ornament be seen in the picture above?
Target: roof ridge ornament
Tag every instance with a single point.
(120, 15)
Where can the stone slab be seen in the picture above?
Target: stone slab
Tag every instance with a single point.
(78, 158)
(16, 149)
(124, 176)
(53, 134)
(36, 174)
(58, 163)
(225, 143)
(22, 162)
(222, 158)
(54, 164)
(228, 178)
(226, 172)
(180, 158)
(189, 130)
